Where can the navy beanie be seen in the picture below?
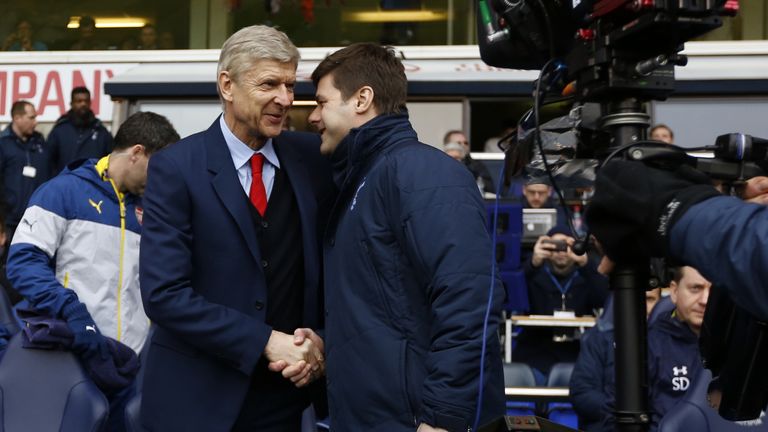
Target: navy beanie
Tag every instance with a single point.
(559, 229)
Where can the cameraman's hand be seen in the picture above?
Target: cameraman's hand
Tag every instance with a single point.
(635, 206)
(542, 251)
(579, 260)
(756, 190)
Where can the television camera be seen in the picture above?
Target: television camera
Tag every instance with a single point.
(613, 56)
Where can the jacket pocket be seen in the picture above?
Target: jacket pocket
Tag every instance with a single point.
(406, 382)
(166, 341)
(378, 285)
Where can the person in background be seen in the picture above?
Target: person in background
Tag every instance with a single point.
(477, 168)
(558, 280)
(25, 162)
(674, 359)
(148, 38)
(21, 39)
(78, 134)
(75, 254)
(592, 382)
(537, 193)
(663, 133)
(87, 37)
(456, 151)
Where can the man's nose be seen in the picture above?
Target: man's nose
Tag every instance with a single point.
(284, 96)
(314, 116)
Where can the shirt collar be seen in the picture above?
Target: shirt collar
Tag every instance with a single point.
(241, 153)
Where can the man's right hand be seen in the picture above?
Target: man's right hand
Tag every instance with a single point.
(298, 357)
(756, 190)
(542, 251)
(87, 340)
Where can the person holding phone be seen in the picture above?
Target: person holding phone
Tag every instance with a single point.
(21, 39)
(558, 281)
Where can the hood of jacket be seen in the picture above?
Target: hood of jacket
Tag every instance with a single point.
(94, 172)
(670, 323)
(8, 132)
(89, 121)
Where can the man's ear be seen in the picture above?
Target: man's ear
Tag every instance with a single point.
(364, 100)
(225, 85)
(673, 287)
(136, 151)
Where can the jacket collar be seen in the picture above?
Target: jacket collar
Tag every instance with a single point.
(8, 132)
(670, 324)
(94, 172)
(367, 141)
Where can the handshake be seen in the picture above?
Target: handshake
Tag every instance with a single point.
(299, 358)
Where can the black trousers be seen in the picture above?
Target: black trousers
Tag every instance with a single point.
(273, 404)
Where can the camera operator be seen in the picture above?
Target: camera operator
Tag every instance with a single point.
(639, 211)
(558, 280)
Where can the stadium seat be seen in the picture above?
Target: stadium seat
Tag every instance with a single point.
(693, 413)
(7, 316)
(42, 390)
(519, 375)
(561, 412)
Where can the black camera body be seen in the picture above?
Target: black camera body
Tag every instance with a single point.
(559, 245)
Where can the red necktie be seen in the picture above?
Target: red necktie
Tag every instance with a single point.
(258, 193)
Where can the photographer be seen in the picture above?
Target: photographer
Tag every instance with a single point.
(639, 211)
(558, 280)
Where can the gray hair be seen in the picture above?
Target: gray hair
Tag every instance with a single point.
(251, 44)
(454, 146)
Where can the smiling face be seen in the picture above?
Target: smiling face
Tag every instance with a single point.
(333, 117)
(256, 102)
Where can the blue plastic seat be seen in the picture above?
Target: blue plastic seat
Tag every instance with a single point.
(519, 375)
(561, 412)
(43, 390)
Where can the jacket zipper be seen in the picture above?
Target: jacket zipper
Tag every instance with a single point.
(121, 201)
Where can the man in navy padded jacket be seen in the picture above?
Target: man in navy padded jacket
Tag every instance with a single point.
(674, 360)
(407, 262)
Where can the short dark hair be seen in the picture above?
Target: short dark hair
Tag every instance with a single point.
(678, 273)
(78, 90)
(367, 64)
(19, 107)
(151, 130)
